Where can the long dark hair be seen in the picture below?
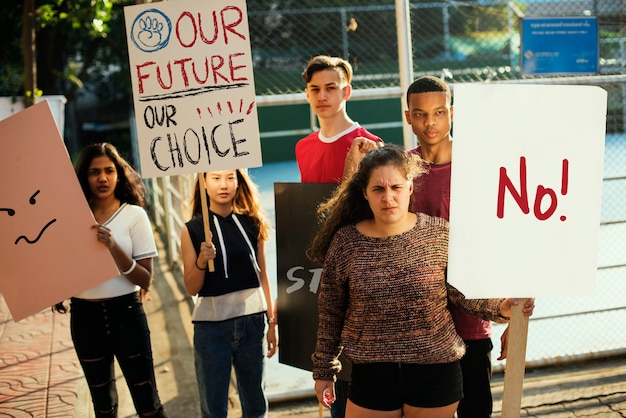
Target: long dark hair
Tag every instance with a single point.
(130, 187)
(348, 204)
(246, 202)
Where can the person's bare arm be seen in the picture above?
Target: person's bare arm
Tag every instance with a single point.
(358, 149)
(194, 265)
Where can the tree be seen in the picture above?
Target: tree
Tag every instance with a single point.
(65, 30)
(28, 51)
(60, 46)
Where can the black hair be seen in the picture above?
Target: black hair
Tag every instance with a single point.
(130, 187)
(427, 84)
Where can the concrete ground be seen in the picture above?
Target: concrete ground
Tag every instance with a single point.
(40, 375)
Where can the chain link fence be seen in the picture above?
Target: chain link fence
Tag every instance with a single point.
(469, 41)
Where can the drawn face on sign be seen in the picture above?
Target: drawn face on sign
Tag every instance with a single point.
(49, 250)
(35, 236)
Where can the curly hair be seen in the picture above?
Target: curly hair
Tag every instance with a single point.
(348, 205)
(245, 202)
(129, 189)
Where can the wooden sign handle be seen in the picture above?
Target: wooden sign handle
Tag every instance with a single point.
(515, 362)
(205, 216)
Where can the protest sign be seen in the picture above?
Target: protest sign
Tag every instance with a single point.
(525, 200)
(193, 86)
(299, 277)
(48, 247)
(526, 189)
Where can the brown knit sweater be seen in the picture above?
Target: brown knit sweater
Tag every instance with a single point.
(385, 299)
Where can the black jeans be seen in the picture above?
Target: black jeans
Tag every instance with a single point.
(338, 409)
(115, 327)
(476, 366)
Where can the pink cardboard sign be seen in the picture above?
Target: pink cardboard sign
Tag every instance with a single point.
(48, 248)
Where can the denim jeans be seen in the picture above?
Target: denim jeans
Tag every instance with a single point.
(117, 328)
(238, 342)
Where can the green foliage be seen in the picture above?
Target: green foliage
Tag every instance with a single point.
(69, 34)
(11, 79)
(11, 67)
(87, 16)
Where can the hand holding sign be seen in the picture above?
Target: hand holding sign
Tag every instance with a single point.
(43, 218)
(527, 184)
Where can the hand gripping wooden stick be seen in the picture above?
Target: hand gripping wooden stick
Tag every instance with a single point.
(515, 362)
(205, 216)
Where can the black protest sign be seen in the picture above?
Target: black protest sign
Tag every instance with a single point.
(298, 277)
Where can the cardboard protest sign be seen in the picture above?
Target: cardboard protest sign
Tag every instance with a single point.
(48, 247)
(193, 86)
(298, 277)
(526, 189)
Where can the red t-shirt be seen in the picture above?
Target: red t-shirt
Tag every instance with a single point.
(431, 195)
(321, 160)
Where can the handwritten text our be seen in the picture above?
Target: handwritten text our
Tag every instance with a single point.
(186, 74)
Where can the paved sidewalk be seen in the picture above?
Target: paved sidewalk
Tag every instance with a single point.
(40, 375)
(594, 388)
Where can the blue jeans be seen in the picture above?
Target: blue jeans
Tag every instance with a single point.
(218, 345)
(118, 328)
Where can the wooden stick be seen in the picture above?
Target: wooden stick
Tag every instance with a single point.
(515, 362)
(321, 411)
(205, 216)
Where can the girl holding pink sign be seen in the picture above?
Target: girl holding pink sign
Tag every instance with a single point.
(108, 321)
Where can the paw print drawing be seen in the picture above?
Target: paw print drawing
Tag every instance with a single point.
(150, 33)
(11, 212)
(151, 30)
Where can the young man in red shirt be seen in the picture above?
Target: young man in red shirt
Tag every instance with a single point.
(323, 154)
